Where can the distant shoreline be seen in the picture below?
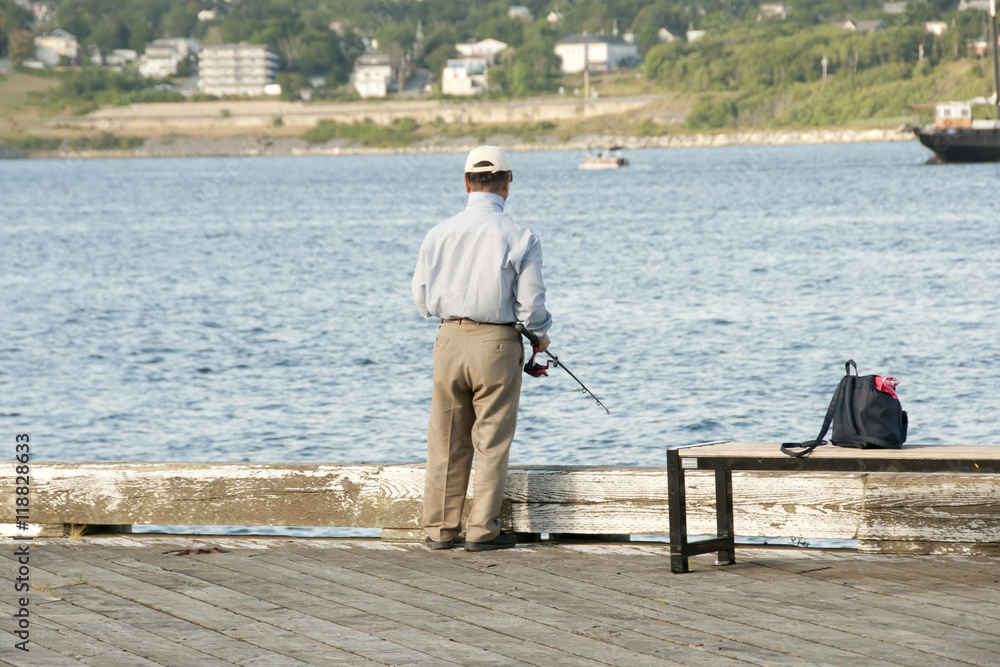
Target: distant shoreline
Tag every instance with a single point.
(257, 146)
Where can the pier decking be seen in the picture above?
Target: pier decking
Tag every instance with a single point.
(121, 600)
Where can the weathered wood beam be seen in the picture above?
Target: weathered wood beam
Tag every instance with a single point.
(932, 513)
(885, 512)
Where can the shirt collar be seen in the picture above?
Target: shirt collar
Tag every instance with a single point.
(486, 198)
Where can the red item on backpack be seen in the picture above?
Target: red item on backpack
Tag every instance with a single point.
(886, 384)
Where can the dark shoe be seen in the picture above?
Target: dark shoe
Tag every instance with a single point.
(501, 541)
(446, 544)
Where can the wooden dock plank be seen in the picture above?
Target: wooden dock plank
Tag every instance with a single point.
(772, 612)
(608, 598)
(893, 620)
(217, 580)
(846, 619)
(616, 616)
(100, 628)
(256, 633)
(575, 648)
(286, 601)
(124, 618)
(38, 656)
(54, 644)
(444, 651)
(706, 588)
(753, 632)
(442, 628)
(287, 621)
(977, 592)
(967, 626)
(217, 648)
(110, 620)
(973, 580)
(401, 568)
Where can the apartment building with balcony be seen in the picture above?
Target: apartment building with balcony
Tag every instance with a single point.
(237, 69)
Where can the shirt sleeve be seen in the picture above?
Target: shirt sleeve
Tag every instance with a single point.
(418, 287)
(530, 291)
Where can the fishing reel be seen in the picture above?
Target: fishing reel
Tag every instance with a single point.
(533, 368)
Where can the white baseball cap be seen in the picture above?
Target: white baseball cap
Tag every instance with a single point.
(493, 154)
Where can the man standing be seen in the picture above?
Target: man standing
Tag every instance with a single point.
(480, 273)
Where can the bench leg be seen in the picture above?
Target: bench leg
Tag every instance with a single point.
(724, 516)
(678, 514)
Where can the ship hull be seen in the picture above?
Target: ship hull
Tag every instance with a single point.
(961, 145)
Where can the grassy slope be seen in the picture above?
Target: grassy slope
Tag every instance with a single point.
(16, 116)
(868, 99)
(865, 100)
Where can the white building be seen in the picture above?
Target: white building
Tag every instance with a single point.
(373, 75)
(49, 48)
(772, 10)
(486, 49)
(894, 7)
(521, 13)
(464, 76)
(158, 62)
(185, 46)
(665, 36)
(936, 28)
(595, 53)
(237, 69)
(120, 57)
(162, 57)
(695, 35)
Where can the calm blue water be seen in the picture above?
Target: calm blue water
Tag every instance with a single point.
(258, 309)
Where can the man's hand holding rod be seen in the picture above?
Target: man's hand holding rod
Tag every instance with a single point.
(541, 343)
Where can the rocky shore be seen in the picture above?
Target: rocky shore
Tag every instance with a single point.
(262, 144)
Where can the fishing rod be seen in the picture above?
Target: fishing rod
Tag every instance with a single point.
(536, 370)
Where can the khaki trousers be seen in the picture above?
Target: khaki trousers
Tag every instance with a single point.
(477, 384)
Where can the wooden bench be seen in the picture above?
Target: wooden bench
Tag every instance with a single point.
(724, 458)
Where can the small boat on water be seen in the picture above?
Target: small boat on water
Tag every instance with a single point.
(955, 135)
(611, 159)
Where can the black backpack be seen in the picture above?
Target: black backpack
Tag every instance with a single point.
(861, 416)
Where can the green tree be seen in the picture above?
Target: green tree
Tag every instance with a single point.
(320, 53)
(110, 33)
(401, 34)
(497, 78)
(521, 81)
(503, 28)
(438, 58)
(20, 45)
(12, 18)
(180, 20)
(647, 37)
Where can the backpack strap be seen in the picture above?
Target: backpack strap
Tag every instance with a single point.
(810, 445)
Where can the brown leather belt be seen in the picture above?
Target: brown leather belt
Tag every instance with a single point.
(466, 320)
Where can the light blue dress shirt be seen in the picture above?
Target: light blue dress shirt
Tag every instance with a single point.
(483, 266)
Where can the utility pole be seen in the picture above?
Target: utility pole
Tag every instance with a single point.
(996, 62)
